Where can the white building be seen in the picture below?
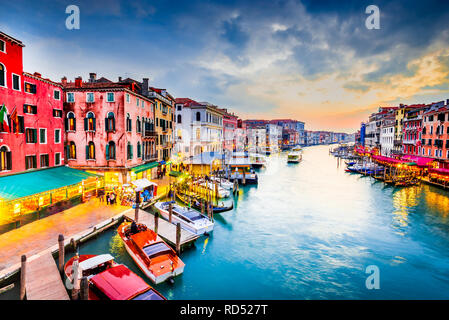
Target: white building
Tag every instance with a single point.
(387, 136)
(199, 128)
(274, 137)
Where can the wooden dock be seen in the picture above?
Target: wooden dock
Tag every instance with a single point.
(166, 230)
(43, 281)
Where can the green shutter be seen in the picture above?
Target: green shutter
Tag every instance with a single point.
(107, 151)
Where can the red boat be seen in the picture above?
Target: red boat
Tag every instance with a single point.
(109, 280)
(154, 257)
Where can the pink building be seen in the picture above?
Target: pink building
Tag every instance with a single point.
(34, 107)
(229, 130)
(109, 129)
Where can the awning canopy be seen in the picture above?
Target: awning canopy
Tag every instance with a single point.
(143, 183)
(26, 184)
(420, 161)
(144, 167)
(441, 171)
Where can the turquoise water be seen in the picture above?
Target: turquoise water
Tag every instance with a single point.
(308, 231)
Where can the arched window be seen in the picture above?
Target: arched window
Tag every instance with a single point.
(179, 118)
(70, 122)
(71, 150)
(138, 125)
(139, 150)
(90, 151)
(89, 122)
(2, 75)
(198, 116)
(128, 123)
(5, 159)
(129, 151)
(110, 150)
(110, 122)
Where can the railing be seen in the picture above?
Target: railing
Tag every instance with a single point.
(149, 133)
(150, 157)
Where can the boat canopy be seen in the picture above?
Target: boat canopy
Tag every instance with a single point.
(119, 283)
(149, 295)
(157, 249)
(95, 261)
(143, 183)
(192, 214)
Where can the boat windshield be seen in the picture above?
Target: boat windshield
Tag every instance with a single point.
(157, 249)
(192, 215)
(148, 295)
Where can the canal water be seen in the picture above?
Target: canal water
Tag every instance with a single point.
(309, 231)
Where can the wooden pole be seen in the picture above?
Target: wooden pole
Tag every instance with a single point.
(156, 221)
(61, 253)
(136, 213)
(84, 288)
(75, 278)
(23, 277)
(170, 211)
(178, 238)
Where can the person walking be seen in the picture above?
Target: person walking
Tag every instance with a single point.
(108, 199)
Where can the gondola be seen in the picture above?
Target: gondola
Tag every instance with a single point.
(195, 203)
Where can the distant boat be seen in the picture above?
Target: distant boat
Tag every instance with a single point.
(190, 219)
(294, 157)
(194, 202)
(296, 149)
(109, 280)
(257, 160)
(152, 255)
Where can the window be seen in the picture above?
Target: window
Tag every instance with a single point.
(110, 97)
(129, 151)
(179, 118)
(16, 82)
(90, 151)
(30, 88)
(20, 124)
(57, 158)
(128, 123)
(70, 97)
(198, 116)
(29, 109)
(44, 160)
(139, 150)
(31, 135)
(43, 136)
(71, 150)
(127, 97)
(110, 150)
(57, 95)
(143, 104)
(30, 162)
(138, 126)
(89, 122)
(57, 113)
(5, 159)
(137, 101)
(179, 107)
(2, 75)
(70, 122)
(90, 97)
(57, 135)
(110, 122)
(2, 46)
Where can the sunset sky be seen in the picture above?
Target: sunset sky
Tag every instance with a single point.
(314, 61)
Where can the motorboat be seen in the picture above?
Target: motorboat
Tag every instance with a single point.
(294, 157)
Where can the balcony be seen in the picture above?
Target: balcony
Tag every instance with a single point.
(149, 133)
(150, 157)
(397, 142)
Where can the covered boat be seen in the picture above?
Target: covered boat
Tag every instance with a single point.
(294, 157)
(195, 202)
(109, 280)
(152, 255)
(190, 219)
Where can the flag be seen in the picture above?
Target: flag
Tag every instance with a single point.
(14, 119)
(4, 118)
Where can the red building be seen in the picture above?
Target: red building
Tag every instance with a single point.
(34, 107)
(412, 131)
(435, 132)
(109, 129)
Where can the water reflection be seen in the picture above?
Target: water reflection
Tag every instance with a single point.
(404, 200)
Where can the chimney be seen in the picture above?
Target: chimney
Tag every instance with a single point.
(145, 86)
(78, 82)
(119, 79)
(64, 80)
(92, 77)
(37, 74)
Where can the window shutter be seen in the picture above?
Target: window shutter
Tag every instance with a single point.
(21, 124)
(106, 124)
(8, 161)
(113, 124)
(87, 152)
(85, 124)
(95, 124)
(66, 124)
(107, 151)
(74, 124)
(35, 135)
(131, 151)
(67, 152)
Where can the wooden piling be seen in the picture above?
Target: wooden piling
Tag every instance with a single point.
(75, 279)
(61, 253)
(156, 221)
(22, 277)
(73, 244)
(84, 288)
(178, 238)
(170, 212)
(136, 213)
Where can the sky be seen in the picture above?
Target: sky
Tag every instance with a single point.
(310, 60)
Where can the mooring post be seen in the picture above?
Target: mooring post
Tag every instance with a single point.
(170, 211)
(73, 244)
(202, 206)
(22, 277)
(136, 213)
(178, 238)
(84, 288)
(75, 278)
(61, 253)
(156, 221)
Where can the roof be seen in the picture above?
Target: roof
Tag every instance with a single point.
(35, 76)
(12, 39)
(143, 183)
(144, 167)
(95, 261)
(33, 182)
(119, 283)
(95, 85)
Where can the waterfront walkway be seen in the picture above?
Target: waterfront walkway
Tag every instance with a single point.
(42, 234)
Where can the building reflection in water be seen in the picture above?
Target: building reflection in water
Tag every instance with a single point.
(404, 199)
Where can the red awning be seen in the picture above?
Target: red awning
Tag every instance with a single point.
(387, 159)
(439, 171)
(420, 161)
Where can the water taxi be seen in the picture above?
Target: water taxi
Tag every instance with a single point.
(190, 219)
(296, 149)
(239, 168)
(294, 157)
(109, 280)
(152, 255)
